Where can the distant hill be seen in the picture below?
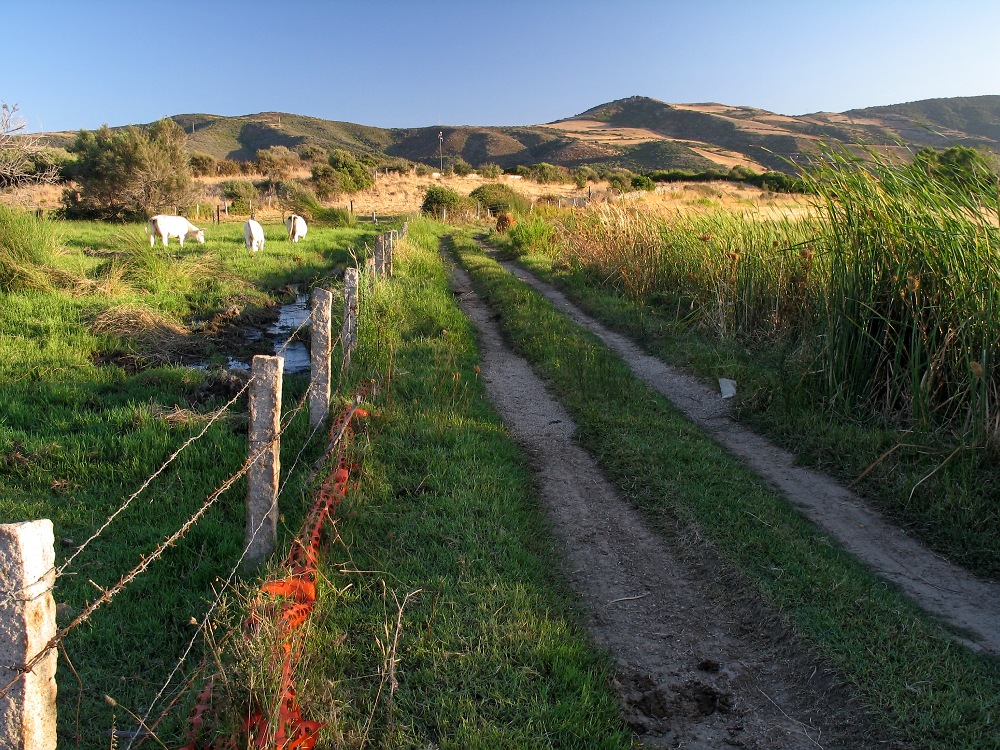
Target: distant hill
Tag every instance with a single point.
(637, 132)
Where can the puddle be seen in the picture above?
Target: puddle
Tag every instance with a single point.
(296, 355)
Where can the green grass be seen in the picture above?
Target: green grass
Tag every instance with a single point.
(77, 438)
(891, 291)
(446, 505)
(492, 652)
(933, 692)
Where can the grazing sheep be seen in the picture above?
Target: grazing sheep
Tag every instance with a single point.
(253, 235)
(164, 226)
(296, 227)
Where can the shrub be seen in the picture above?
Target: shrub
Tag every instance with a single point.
(129, 173)
(642, 182)
(312, 152)
(490, 171)
(276, 162)
(352, 175)
(583, 175)
(203, 165)
(422, 170)
(461, 167)
(498, 198)
(241, 194)
(326, 181)
(547, 173)
(438, 200)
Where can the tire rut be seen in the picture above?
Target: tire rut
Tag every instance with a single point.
(948, 592)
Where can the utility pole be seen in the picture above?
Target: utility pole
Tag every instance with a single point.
(441, 150)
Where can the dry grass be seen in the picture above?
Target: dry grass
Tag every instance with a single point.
(158, 338)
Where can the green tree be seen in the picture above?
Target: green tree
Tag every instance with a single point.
(129, 173)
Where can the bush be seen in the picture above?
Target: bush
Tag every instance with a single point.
(583, 175)
(461, 167)
(326, 181)
(312, 152)
(203, 165)
(490, 171)
(241, 194)
(545, 173)
(130, 173)
(498, 198)
(438, 200)
(422, 170)
(277, 162)
(352, 175)
(642, 182)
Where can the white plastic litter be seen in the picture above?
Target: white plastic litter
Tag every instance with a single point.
(728, 387)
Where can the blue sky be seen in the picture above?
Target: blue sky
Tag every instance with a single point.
(78, 64)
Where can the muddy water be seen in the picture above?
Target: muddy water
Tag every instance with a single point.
(290, 318)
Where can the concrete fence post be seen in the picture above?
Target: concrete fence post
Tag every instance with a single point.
(349, 331)
(391, 242)
(27, 624)
(262, 478)
(380, 256)
(319, 357)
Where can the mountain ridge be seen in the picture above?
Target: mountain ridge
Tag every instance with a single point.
(636, 132)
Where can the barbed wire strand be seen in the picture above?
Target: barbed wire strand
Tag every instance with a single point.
(215, 416)
(232, 574)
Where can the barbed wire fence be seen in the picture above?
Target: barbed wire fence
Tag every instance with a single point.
(27, 606)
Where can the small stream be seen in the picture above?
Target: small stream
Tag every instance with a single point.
(290, 317)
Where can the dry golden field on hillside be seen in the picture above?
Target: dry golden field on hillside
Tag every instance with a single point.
(396, 194)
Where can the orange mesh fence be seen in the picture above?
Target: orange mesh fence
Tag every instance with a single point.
(289, 602)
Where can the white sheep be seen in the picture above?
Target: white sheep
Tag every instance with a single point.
(296, 227)
(253, 235)
(164, 226)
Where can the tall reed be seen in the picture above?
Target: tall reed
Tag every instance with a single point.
(731, 273)
(913, 303)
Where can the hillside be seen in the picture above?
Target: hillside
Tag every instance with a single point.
(636, 132)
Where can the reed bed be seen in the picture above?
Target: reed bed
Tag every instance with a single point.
(889, 289)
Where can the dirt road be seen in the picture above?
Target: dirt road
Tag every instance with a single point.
(701, 663)
(971, 606)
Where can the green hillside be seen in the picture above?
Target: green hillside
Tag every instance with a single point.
(660, 135)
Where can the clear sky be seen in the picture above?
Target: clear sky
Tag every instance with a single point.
(71, 64)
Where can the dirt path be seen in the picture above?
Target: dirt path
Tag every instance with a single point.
(946, 591)
(699, 664)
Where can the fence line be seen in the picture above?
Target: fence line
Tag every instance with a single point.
(387, 242)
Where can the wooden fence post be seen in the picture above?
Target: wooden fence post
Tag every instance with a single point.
(262, 478)
(349, 331)
(27, 624)
(319, 357)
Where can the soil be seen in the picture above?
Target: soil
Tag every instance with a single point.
(700, 662)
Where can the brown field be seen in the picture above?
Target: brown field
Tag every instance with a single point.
(396, 194)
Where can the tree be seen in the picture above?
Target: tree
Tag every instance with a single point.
(22, 157)
(129, 173)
